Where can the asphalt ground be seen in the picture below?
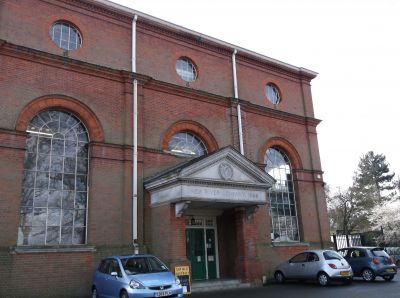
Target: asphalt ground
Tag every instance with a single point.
(358, 289)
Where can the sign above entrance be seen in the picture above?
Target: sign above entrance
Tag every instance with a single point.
(209, 194)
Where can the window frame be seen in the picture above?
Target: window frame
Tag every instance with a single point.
(52, 126)
(200, 144)
(282, 200)
(277, 93)
(190, 67)
(58, 40)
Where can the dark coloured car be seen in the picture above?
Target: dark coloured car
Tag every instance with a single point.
(369, 262)
(394, 253)
(134, 276)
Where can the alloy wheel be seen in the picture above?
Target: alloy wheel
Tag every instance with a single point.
(323, 279)
(279, 277)
(368, 275)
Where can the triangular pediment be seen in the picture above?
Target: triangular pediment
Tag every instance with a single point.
(226, 165)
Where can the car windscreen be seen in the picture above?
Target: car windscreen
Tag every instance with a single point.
(379, 252)
(332, 255)
(142, 265)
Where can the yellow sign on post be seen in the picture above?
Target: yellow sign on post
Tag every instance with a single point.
(183, 273)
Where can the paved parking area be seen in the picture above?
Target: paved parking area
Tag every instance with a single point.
(358, 289)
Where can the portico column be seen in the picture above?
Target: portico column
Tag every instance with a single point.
(248, 266)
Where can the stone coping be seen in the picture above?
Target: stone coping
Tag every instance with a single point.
(51, 249)
(286, 243)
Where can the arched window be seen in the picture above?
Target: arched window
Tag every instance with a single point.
(187, 144)
(54, 187)
(282, 196)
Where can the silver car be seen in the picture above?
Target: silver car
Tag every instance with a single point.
(320, 265)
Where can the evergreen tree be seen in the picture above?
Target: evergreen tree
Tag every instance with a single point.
(353, 208)
(373, 179)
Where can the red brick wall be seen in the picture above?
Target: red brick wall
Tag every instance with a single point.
(27, 23)
(157, 54)
(11, 163)
(252, 81)
(26, 81)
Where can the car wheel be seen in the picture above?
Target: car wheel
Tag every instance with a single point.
(323, 279)
(94, 293)
(388, 277)
(123, 294)
(279, 277)
(368, 275)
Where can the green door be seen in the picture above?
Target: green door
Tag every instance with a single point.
(195, 251)
(211, 254)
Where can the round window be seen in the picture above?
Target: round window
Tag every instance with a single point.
(186, 69)
(272, 93)
(65, 36)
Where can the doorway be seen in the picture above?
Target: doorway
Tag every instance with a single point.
(202, 247)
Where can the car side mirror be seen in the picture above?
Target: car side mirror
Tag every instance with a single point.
(115, 274)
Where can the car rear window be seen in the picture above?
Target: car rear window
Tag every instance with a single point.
(379, 253)
(332, 255)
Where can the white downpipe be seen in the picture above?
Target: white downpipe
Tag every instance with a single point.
(135, 142)
(235, 87)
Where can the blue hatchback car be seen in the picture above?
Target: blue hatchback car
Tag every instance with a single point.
(134, 276)
(369, 262)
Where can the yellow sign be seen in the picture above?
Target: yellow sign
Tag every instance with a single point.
(183, 273)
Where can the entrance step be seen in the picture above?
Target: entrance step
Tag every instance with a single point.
(217, 284)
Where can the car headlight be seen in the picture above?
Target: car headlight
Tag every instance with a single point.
(135, 284)
(177, 281)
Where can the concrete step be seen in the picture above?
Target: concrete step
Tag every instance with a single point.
(217, 284)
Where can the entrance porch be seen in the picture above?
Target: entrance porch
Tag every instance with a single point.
(202, 215)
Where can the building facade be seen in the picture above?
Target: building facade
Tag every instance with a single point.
(120, 132)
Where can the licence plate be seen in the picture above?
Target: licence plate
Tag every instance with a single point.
(163, 293)
(344, 273)
(390, 270)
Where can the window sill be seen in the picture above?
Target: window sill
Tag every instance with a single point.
(51, 249)
(287, 243)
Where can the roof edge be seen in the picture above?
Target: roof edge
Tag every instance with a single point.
(300, 70)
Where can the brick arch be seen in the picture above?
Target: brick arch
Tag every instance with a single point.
(193, 127)
(287, 147)
(72, 105)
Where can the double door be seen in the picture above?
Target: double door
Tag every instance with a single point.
(201, 251)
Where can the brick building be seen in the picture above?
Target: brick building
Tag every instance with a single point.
(123, 132)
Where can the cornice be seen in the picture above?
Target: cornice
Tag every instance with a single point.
(185, 37)
(68, 63)
(281, 115)
(187, 92)
(100, 8)
(300, 74)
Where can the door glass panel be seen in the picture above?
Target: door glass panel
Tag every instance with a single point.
(211, 254)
